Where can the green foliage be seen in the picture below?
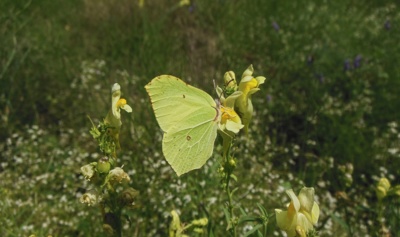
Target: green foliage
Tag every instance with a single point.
(330, 100)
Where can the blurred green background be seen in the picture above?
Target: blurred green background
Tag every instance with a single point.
(326, 117)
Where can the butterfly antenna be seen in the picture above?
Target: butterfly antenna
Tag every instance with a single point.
(229, 82)
(219, 94)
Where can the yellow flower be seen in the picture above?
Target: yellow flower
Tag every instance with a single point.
(88, 170)
(175, 227)
(200, 222)
(248, 85)
(117, 175)
(301, 215)
(114, 116)
(141, 3)
(230, 120)
(396, 190)
(382, 188)
(91, 198)
(300, 231)
(184, 3)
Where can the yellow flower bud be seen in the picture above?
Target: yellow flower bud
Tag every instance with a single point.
(232, 162)
(103, 166)
(200, 222)
(380, 192)
(396, 190)
(141, 3)
(198, 230)
(184, 3)
(384, 182)
(230, 83)
(382, 188)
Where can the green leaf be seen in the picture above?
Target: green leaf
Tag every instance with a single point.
(234, 177)
(234, 190)
(244, 219)
(228, 218)
(262, 210)
(255, 228)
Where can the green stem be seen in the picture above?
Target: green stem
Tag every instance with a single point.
(229, 170)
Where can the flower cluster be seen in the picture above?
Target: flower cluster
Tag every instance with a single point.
(236, 106)
(177, 229)
(302, 213)
(384, 188)
(103, 174)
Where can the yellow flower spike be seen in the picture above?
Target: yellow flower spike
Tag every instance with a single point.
(248, 85)
(301, 215)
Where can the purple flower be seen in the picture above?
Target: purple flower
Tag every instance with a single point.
(387, 25)
(276, 26)
(357, 61)
(192, 7)
(321, 77)
(269, 98)
(310, 60)
(347, 65)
